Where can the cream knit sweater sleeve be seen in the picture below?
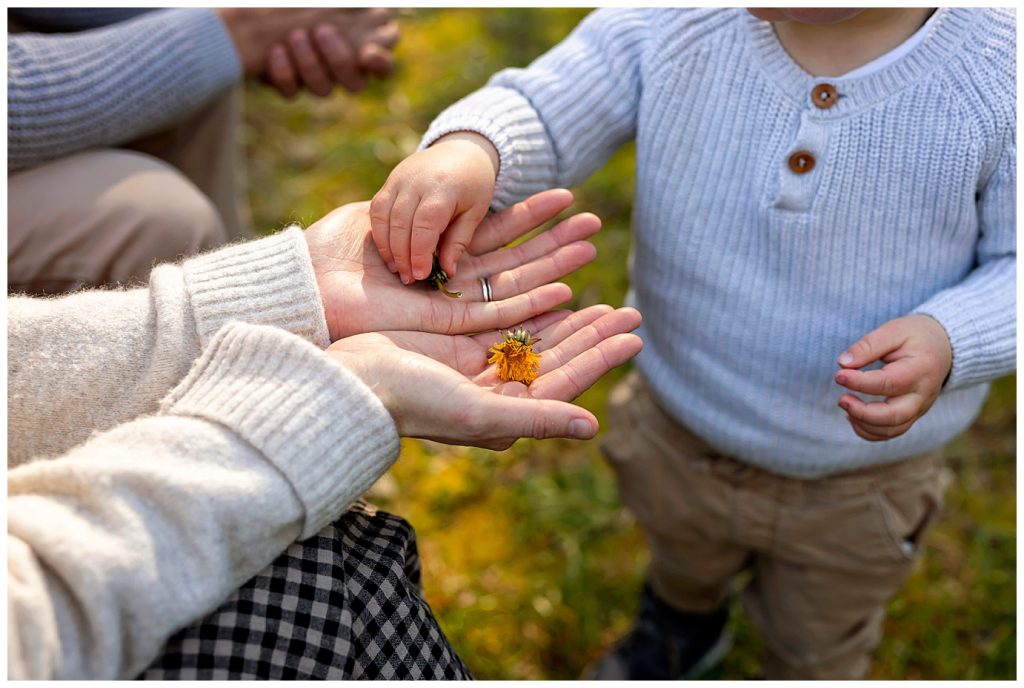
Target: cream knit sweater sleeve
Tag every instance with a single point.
(143, 528)
(87, 362)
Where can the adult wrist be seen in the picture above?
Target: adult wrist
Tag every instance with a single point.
(243, 36)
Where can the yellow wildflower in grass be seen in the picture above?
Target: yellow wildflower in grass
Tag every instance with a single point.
(515, 357)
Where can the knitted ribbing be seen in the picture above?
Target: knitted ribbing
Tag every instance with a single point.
(129, 348)
(68, 92)
(270, 281)
(753, 278)
(283, 395)
(146, 527)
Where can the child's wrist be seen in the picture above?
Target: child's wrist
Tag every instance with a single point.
(478, 140)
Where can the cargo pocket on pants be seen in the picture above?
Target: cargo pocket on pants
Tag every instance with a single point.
(907, 511)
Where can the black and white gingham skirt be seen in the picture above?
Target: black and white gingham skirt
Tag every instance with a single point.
(344, 604)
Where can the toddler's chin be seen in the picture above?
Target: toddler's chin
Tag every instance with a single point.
(806, 15)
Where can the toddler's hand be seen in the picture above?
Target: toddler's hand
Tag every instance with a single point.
(917, 356)
(445, 189)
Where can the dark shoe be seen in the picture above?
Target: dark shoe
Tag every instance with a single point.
(666, 644)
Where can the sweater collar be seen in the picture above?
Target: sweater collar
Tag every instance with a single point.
(948, 30)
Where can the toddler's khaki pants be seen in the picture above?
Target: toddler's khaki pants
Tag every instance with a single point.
(107, 215)
(824, 555)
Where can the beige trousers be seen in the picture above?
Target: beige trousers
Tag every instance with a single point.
(824, 555)
(106, 216)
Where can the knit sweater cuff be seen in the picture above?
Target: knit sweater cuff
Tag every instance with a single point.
(315, 421)
(527, 160)
(267, 282)
(979, 318)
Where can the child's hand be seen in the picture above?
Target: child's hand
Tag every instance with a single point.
(447, 189)
(917, 356)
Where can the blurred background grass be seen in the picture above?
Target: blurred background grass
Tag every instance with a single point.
(528, 560)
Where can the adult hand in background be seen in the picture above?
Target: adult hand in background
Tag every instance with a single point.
(361, 295)
(312, 48)
(441, 387)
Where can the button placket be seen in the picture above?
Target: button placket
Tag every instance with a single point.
(800, 167)
(801, 162)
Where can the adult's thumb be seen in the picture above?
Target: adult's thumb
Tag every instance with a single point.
(539, 418)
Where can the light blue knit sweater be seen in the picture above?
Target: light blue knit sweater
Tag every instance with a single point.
(752, 278)
(70, 91)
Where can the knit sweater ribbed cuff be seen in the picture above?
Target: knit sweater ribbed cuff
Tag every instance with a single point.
(268, 282)
(980, 323)
(309, 416)
(506, 118)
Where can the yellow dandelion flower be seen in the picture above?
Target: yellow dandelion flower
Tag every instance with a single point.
(515, 358)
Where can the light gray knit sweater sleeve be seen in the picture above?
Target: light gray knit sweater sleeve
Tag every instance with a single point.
(72, 18)
(69, 92)
(90, 361)
(129, 537)
(980, 314)
(555, 122)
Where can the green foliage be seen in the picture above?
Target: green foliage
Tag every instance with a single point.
(529, 562)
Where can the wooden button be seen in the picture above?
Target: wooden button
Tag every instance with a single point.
(801, 162)
(824, 96)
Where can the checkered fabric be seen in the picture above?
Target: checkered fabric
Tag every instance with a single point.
(344, 604)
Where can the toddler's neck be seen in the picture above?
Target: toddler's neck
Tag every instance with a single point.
(835, 49)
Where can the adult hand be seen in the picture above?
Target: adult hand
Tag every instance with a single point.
(441, 387)
(312, 47)
(361, 295)
(343, 51)
(917, 356)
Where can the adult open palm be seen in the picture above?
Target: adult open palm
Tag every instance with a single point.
(361, 295)
(441, 387)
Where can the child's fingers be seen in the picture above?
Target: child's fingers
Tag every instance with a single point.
(568, 231)
(380, 224)
(430, 219)
(878, 433)
(501, 228)
(895, 379)
(865, 434)
(456, 239)
(551, 267)
(400, 225)
(874, 345)
(889, 413)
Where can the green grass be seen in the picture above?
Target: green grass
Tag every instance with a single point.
(529, 562)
